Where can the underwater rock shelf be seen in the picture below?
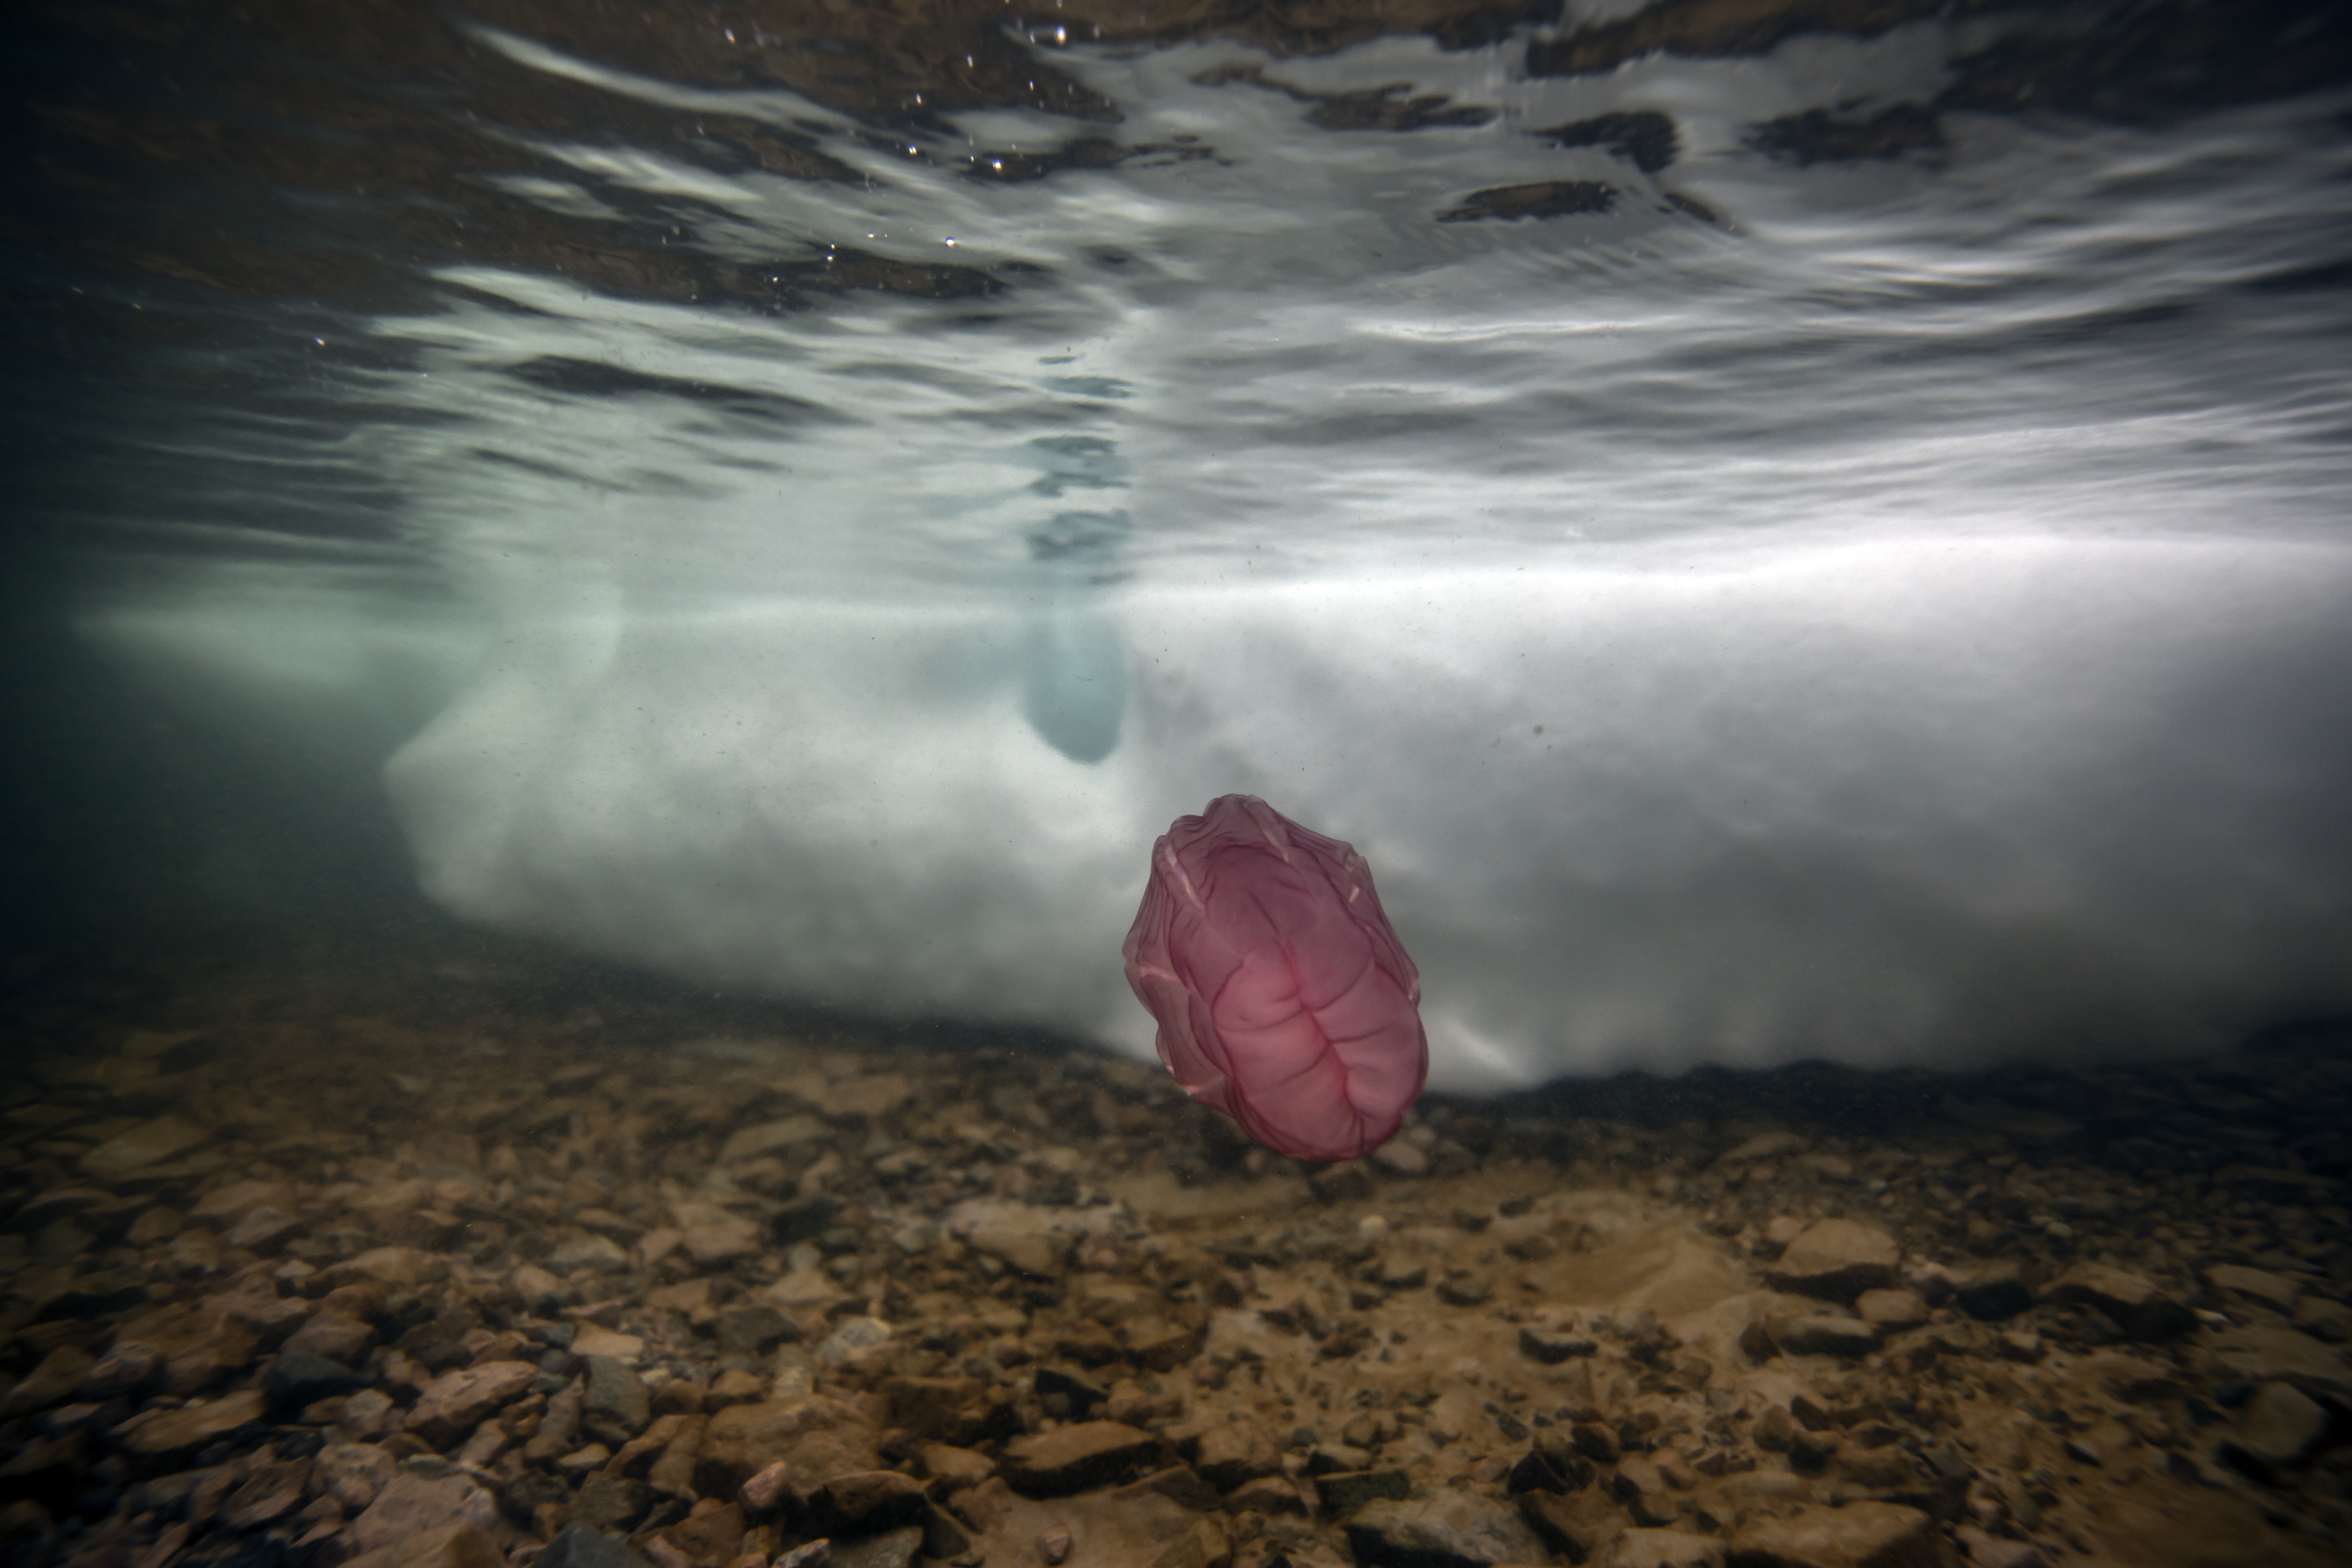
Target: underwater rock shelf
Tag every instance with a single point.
(290, 1282)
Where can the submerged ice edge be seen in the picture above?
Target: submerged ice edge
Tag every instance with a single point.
(1881, 805)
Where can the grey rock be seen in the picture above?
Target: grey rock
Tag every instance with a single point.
(296, 1378)
(1342, 1493)
(579, 1546)
(1444, 1529)
(894, 1549)
(614, 1406)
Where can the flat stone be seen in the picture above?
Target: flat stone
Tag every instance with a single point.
(193, 1426)
(862, 1501)
(1033, 1252)
(1665, 1549)
(874, 1095)
(269, 1492)
(768, 1137)
(1891, 1309)
(610, 1501)
(1076, 1457)
(404, 1268)
(1799, 1334)
(150, 1143)
(261, 1231)
(721, 1241)
(411, 1506)
(1994, 1292)
(1839, 1258)
(1236, 1451)
(2277, 1427)
(1581, 1525)
(1342, 1493)
(1858, 1535)
(225, 1205)
(129, 1368)
(1763, 1146)
(580, 1546)
(1444, 1527)
(1200, 1545)
(353, 1474)
(615, 1405)
(588, 1250)
(451, 1546)
(753, 1330)
(298, 1378)
(2280, 1355)
(1267, 1495)
(2235, 1278)
(455, 1402)
(333, 1336)
(816, 1438)
(2136, 1306)
(53, 1382)
(595, 1340)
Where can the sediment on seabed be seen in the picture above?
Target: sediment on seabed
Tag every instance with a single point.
(453, 1273)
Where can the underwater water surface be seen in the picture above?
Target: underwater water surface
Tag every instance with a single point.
(604, 604)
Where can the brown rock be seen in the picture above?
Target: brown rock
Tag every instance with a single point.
(1839, 1258)
(151, 1143)
(937, 1409)
(1268, 1495)
(51, 1383)
(864, 1502)
(2281, 1355)
(721, 1241)
(954, 1469)
(353, 1474)
(261, 1231)
(452, 1546)
(2273, 1290)
(817, 1438)
(875, 1095)
(1578, 1526)
(673, 1472)
(411, 1506)
(175, 1431)
(1858, 1535)
(333, 1335)
(1158, 1345)
(1891, 1309)
(225, 1205)
(267, 1493)
(1443, 1526)
(198, 1346)
(1076, 1457)
(1234, 1452)
(455, 1402)
(403, 1268)
(1807, 1334)
(1665, 1549)
(2137, 1307)
(1202, 1545)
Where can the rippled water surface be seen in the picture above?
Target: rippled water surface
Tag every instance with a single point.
(1790, 528)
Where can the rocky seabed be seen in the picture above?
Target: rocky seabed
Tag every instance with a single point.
(412, 1288)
